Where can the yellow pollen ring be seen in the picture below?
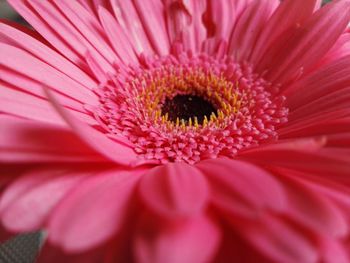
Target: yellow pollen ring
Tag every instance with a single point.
(225, 95)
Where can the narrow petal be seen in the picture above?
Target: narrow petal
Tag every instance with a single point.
(236, 183)
(194, 240)
(123, 47)
(93, 212)
(41, 51)
(128, 18)
(27, 106)
(21, 61)
(51, 23)
(295, 53)
(185, 24)
(88, 26)
(326, 80)
(288, 14)
(175, 190)
(151, 15)
(45, 30)
(248, 28)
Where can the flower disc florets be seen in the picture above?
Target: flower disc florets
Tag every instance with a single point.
(189, 108)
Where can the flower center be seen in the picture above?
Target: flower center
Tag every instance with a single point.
(188, 108)
(185, 108)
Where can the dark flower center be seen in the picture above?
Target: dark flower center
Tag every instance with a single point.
(186, 107)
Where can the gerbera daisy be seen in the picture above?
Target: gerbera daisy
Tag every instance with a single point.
(172, 131)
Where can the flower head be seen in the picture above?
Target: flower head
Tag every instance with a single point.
(178, 131)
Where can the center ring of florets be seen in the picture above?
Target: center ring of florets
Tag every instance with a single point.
(190, 108)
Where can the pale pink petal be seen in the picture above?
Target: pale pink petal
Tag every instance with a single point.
(175, 190)
(27, 203)
(113, 150)
(230, 180)
(288, 14)
(278, 240)
(94, 212)
(302, 50)
(248, 28)
(194, 240)
(24, 141)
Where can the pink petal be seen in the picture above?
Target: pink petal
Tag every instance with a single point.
(334, 251)
(27, 203)
(278, 240)
(89, 27)
(312, 209)
(27, 106)
(93, 212)
(323, 162)
(286, 59)
(128, 18)
(223, 15)
(175, 190)
(184, 22)
(288, 14)
(248, 28)
(151, 15)
(41, 51)
(21, 61)
(113, 29)
(113, 150)
(326, 80)
(49, 33)
(27, 142)
(236, 184)
(194, 240)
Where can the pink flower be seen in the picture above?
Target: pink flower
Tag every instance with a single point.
(171, 131)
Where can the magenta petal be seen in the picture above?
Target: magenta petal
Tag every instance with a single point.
(93, 212)
(193, 241)
(175, 189)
